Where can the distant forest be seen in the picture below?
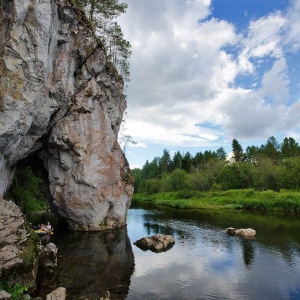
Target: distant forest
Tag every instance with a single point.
(272, 166)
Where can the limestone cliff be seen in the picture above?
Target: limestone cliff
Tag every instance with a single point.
(61, 98)
(16, 253)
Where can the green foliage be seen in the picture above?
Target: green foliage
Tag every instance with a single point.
(289, 148)
(28, 191)
(187, 162)
(266, 174)
(152, 186)
(165, 162)
(289, 173)
(271, 166)
(101, 14)
(237, 150)
(175, 181)
(136, 174)
(14, 288)
(246, 199)
(31, 250)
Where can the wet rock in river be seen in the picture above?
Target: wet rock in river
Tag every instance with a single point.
(156, 243)
(247, 233)
(48, 256)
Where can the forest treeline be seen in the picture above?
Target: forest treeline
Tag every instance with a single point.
(271, 166)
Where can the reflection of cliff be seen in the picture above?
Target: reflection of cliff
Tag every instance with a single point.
(89, 264)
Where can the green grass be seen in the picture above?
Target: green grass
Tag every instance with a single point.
(248, 199)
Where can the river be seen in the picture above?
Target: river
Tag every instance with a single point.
(204, 263)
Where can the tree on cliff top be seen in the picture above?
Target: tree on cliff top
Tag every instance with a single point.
(107, 9)
(100, 14)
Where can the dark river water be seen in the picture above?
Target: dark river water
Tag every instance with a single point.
(204, 263)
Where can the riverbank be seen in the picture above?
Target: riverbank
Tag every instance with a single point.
(248, 199)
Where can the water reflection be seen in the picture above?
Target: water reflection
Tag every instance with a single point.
(248, 251)
(205, 263)
(89, 264)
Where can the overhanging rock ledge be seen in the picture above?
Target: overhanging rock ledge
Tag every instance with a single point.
(61, 98)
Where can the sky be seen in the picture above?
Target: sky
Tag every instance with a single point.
(204, 72)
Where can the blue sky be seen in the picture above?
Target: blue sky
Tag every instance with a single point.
(206, 71)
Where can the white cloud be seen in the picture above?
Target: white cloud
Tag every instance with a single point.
(184, 70)
(293, 26)
(275, 82)
(264, 36)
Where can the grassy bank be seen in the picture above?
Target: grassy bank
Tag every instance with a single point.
(248, 199)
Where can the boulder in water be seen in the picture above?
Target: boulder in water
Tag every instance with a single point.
(246, 233)
(156, 243)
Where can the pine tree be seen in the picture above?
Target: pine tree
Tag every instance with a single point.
(177, 161)
(237, 150)
(165, 162)
(100, 14)
(289, 148)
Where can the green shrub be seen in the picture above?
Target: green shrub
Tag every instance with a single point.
(31, 250)
(29, 191)
(185, 194)
(14, 288)
(152, 186)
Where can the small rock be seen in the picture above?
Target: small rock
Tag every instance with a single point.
(246, 233)
(4, 295)
(59, 294)
(230, 231)
(48, 256)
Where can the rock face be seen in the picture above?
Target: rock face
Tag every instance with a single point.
(48, 256)
(13, 237)
(59, 294)
(156, 243)
(61, 98)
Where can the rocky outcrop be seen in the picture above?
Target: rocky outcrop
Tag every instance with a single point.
(59, 294)
(12, 236)
(156, 243)
(246, 233)
(59, 96)
(18, 249)
(48, 256)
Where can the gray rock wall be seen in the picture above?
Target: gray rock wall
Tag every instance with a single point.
(59, 96)
(13, 236)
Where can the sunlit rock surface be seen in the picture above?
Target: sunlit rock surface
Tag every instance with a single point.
(59, 96)
(156, 243)
(246, 233)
